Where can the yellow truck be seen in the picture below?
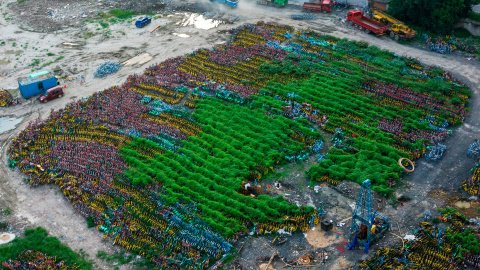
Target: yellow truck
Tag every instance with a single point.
(397, 29)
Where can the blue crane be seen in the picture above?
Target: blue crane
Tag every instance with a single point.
(367, 225)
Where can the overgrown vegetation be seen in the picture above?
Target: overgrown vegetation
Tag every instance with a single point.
(369, 152)
(474, 16)
(121, 13)
(209, 169)
(438, 16)
(38, 240)
(187, 177)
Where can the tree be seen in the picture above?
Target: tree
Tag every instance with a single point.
(437, 16)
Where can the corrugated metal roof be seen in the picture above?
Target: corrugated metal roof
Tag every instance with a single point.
(26, 81)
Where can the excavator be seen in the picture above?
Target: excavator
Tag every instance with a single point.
(398, 30)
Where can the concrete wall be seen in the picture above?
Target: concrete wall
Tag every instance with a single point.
(472, 26)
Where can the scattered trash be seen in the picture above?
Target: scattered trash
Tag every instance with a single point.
(409, 237)
(304, 260)
(282, 231)
(155, 28)
(428, 215)
(409, 162)
(326, 225)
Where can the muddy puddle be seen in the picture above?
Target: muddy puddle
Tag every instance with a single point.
(199, 21)
(9, 123)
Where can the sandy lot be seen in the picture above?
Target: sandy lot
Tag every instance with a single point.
(76, 47)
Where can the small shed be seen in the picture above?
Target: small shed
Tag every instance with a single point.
(36, 83)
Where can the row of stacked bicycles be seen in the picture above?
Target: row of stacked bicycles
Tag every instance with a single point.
(472, 184)
(85, 147)
(30, 259)
(6, 99)
(448, 44)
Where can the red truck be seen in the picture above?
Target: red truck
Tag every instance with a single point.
(356, 18)
(325, 6)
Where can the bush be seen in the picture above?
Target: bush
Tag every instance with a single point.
(103, 24)
(435, 220)
(438, 16)
(474, 16)
(461, 33)
(90, 222)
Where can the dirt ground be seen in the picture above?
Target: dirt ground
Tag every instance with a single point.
(68, 34)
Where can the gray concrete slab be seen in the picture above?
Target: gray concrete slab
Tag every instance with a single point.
(476, 8)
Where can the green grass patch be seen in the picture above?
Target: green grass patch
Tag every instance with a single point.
(474, 16)
(38, 240)
(461, 33)
(34, 63)
(121, 13)
(103, 24)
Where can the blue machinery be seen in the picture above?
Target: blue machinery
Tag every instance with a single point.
(364, 219)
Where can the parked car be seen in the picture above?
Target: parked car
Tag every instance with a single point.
(52, 93)
(143, 21)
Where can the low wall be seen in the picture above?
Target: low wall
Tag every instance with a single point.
(472, 26)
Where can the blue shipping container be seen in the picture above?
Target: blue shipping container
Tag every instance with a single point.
(35, 85)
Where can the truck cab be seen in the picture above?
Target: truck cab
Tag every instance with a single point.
(52, 93)
(323, 5)
(353, 14)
